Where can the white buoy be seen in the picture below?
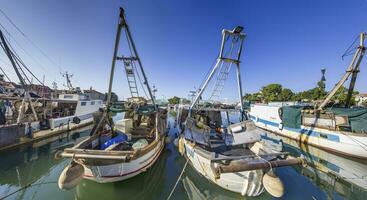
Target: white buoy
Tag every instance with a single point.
(272, 184)
(71, 176)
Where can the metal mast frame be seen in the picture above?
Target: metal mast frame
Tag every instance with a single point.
(26, 88)
(236, 32)
(353, 70)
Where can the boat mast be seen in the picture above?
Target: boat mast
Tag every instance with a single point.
(353, 70)
(27, 96)
(68, 81)
(114, 58)
(137, 58)
(235, 34)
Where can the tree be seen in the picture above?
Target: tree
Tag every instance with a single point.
(340, 96)
(286, 94)
(174, 100)
(364, 103)
(271, 92)
(252, 97)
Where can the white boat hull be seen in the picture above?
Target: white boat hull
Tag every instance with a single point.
(355, 145)
(124, 170)
(247, 183)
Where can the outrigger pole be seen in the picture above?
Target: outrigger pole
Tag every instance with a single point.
(27, 96)
(235, 34)
(353, 70)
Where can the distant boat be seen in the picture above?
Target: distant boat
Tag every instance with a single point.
(335, 129)
(116, 151)
(230, 155)
(28, 117)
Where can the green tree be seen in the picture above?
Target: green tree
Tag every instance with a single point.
(364, 103)
(340, 96)
(287, 94)
(174, 100)
(252, 97)
(271, 92)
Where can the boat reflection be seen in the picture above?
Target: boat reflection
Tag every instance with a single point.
(27, 164)
(332, 173)
(148, 185)
(197, 187)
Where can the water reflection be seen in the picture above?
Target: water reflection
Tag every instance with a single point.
(27, 164)
(327, 177)
(334, 174)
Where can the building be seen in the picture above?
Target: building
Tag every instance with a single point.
(360, 98)
(41, 90)
(94, 94)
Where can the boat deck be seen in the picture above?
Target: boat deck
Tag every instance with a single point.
(219, 147)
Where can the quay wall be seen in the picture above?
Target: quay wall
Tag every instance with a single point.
(10, 134)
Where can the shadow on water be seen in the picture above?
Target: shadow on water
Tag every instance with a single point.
(327, 177)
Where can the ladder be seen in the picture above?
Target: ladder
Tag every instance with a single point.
(131, 80)
(221, 79)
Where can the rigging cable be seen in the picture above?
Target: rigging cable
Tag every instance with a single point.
(349, 50)
(24, 52)
(19, 60)
(133, 63)
(7, 77)
(29, 40)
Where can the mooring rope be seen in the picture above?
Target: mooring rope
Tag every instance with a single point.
(25, 187)
(178, 179)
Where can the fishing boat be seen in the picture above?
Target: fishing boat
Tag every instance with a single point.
(29, 117)
(230, 153)
(118, 151)
(341, 130)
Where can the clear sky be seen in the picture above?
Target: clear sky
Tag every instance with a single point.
(288, 41)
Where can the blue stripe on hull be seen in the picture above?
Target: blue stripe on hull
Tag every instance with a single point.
(308, 132)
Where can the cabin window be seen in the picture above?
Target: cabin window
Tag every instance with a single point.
(92, 103)
(68, 96)
(83, 103)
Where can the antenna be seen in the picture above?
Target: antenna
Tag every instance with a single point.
(68, 81)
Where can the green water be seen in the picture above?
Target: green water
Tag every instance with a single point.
(327, 177)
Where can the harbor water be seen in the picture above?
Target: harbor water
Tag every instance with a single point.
(31, 172)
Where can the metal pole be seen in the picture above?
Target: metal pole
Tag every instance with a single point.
(138, 58)
(359, 52)
(201, 90)
(355, 70)
(240, 89)
(117, 41)
(26, 92)
(239, 83)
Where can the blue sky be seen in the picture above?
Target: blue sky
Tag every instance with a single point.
(288, 41)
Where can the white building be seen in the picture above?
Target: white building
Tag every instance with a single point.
(360, 98)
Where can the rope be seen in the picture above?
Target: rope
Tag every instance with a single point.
(349, 49)
(134, 65)
(178, 179)
(25, 187)
(26, 52)
(29, 40)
